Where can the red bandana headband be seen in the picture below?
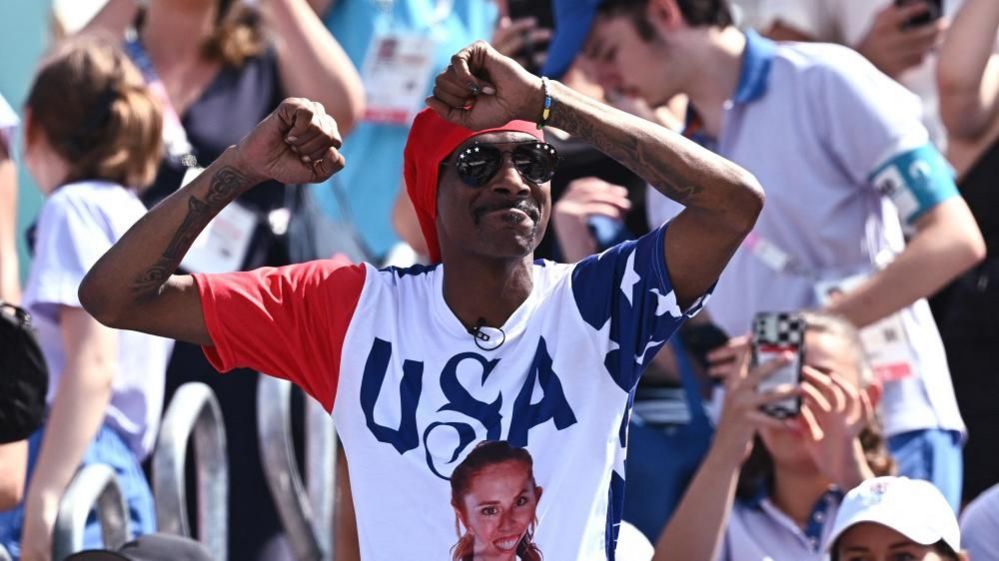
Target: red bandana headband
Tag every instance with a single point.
(431, 140)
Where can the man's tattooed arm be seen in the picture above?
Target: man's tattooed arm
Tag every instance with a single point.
(133, 285)
(226, 184)
(722, 200)
(675, 166)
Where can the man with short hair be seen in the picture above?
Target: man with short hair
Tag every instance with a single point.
(418, 365)
(842, 152)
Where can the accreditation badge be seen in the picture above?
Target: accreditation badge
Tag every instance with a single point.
(886, 341)
(396, 75)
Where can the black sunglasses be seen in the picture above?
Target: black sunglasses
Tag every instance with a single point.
(479, 163)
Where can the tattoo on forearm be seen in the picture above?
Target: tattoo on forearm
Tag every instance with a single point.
(629, 149)
(154, 277)
(225, 185)
(198, 214)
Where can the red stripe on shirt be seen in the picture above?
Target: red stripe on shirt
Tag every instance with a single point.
(289, 322)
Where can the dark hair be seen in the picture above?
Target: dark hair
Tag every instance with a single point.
(946, 551)
(940, 548)
(95, 110)
(485, 454)
(238, 33)
(697, 13)
(758, 470)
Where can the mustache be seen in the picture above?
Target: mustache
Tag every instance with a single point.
(527, 206)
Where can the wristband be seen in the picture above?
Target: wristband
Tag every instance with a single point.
(546, 112)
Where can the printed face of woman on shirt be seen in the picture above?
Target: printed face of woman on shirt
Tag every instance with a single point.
(868, 541)
(498, 509)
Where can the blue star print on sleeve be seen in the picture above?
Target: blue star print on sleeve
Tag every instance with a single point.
(625, 294)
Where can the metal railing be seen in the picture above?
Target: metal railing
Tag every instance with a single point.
(195, 411)
(306, 511)
(94, 486)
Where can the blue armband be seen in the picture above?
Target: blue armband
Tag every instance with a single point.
(916, 181)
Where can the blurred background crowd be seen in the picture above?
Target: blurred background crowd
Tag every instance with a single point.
(873, 126)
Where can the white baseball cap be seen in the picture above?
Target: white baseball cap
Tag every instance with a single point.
(916, 509)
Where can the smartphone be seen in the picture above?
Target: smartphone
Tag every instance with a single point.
(933, 13)
(775, 334)
(541, 11)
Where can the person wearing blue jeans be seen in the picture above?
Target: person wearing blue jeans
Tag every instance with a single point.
(933, 455)
(109, 449)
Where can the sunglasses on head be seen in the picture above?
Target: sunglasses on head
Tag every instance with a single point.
(479, 163)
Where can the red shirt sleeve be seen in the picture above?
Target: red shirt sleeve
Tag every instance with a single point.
(289, 322)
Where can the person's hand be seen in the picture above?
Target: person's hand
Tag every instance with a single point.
(741, 416)
(591, 196)
(583, 199)
(39, 520)
(894, 48)
(297, 143)
(833, 414)
(511, 37)
(483, 89)
(726, 360)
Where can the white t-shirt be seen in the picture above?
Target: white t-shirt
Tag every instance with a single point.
(412, 393)
(817, 125)
(78, 223)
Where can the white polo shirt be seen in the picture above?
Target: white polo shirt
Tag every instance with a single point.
(819, 126)
(759, 531)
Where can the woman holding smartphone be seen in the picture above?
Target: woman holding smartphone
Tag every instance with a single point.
(768, 487)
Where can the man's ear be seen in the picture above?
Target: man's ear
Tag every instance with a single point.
(665, 15)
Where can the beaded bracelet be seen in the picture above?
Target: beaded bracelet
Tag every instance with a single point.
(547, 111)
